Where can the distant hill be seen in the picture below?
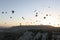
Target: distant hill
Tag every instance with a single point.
(37, 27)
(30, 32)
(31, 27)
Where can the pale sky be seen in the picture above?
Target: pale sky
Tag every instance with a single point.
(26, 8)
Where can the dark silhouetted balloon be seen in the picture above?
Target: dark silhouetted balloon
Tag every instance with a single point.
(23, 18)
(36, 15)
(10, 17)
(36, 12)
(6, 12)
(44, 17)
(12, 11)
(2, 12)
(46, 14)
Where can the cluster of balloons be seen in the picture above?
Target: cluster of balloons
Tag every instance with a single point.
(3, 12)
(36, 13)
(6, 12)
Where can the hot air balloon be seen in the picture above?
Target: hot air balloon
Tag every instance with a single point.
(46, 14)
(44, 17)
(10, 17)
(36, 15)
(6, 12)
(2, 12)
(12, 11)
(36, 12)
(23, 18)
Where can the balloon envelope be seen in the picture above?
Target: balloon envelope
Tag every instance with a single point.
(46, 14)
(10, 17)
(23, 18)
(12, 11)
(36, 15)
(44, 17)
(2, 12)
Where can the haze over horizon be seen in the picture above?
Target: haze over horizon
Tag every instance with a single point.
(29, 12)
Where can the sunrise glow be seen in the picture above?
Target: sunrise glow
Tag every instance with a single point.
(29, 12)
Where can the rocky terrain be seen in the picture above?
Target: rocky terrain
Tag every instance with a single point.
(38, 32)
